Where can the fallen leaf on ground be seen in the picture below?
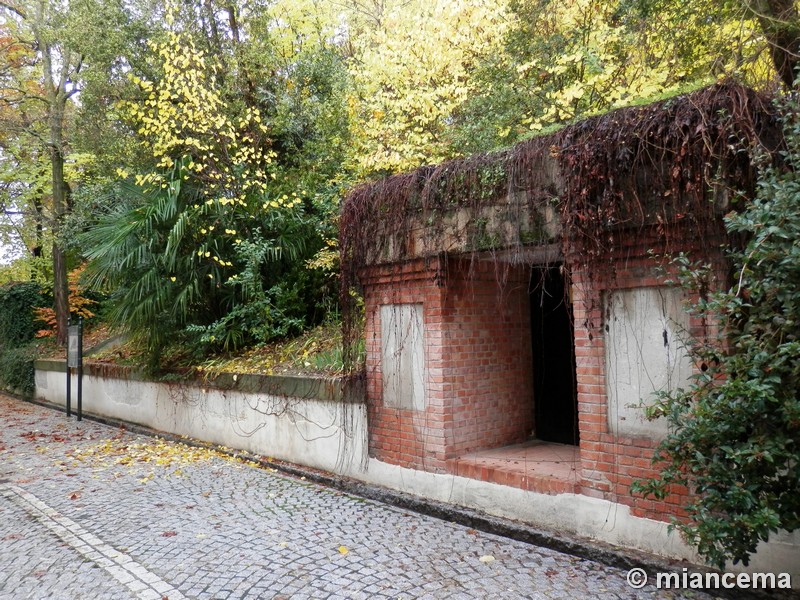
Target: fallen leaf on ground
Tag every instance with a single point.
(487, 558)
(343, 550)
(169, 534)
(123, 452)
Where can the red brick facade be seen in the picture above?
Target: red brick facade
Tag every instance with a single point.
(477, 359)
(610, 463)
(478, 368)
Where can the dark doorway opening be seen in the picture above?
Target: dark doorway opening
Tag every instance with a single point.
(555, 395)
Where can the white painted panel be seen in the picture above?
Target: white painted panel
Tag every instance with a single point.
(644, 353)
(403, 356)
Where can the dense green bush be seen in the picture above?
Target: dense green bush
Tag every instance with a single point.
(734, 437)
(16, 368)
(17, 331)
(17, 304)
(215, 257)
(175, 277)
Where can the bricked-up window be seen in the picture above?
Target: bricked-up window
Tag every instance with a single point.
(403, 356)
(644, 353)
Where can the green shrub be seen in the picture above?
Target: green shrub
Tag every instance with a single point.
(16, 368)
(176, 277)
(734, 437)
(17, 304)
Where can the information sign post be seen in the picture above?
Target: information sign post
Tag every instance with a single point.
(75, 361)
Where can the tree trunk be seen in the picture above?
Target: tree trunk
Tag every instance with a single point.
(56, 75)
(247, 80)
(780, 23)
(60, 207)
(38, 247)
(60, 293)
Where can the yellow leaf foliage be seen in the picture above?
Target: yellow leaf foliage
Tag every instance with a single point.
(412, 72)
(183, 115)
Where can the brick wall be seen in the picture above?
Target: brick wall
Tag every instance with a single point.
(477, 361)
(609, 462)
(478, 364)
(403, 436)
(487, 356)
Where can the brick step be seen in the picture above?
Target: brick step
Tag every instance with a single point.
(535, 466)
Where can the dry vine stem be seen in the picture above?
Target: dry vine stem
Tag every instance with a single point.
(676, 164)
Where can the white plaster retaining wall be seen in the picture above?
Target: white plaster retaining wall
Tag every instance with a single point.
(319, 423)
(323, 424)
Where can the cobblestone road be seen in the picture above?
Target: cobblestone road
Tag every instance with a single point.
(89, 511)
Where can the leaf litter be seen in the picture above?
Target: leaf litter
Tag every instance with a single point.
(119, 453)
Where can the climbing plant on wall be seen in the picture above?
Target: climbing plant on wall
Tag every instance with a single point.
(588, 173)
(734, 435)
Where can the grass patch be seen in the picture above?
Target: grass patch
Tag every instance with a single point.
(317, 351)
